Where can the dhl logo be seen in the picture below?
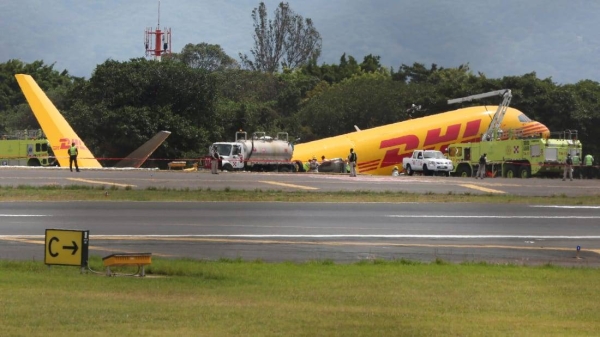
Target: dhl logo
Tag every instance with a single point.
(401, 147)
(65, 144)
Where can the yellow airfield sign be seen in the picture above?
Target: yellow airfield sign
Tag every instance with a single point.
(66, 247)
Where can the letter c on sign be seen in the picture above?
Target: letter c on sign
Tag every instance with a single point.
(54, 238)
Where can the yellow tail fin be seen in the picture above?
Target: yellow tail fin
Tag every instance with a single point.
(57, 130)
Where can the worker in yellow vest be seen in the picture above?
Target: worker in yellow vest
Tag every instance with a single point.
(576, 166)
(588, 161)
(73, 152)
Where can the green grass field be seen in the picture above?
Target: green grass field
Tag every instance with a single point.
(318, 298)
(233, 298)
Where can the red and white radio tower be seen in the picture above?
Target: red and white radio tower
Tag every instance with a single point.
(160, 43)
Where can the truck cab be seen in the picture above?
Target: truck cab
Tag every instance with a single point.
(231, 154)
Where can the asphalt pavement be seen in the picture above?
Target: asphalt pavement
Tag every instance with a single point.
(342, 232)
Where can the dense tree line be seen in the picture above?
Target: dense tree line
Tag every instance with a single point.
(125, 103)
(202, 95)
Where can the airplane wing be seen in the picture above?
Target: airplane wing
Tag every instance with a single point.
(55, 127)
(139, 156)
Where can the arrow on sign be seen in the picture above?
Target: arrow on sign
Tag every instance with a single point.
(73, 247)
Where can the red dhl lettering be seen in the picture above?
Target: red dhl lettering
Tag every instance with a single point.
(393, 156)
(472, 128)
(433, 138)
(65, 144)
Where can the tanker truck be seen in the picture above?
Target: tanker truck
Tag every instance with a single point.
(257, 153)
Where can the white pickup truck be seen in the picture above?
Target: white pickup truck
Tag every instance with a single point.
(429, 162)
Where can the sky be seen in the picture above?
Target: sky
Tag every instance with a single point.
(556, 39)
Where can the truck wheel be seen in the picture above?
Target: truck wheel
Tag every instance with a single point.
(227, 167)
(409, 170)
(33, 162)
(524, 172)
(511, 171)
(463, 171)
(426, 172)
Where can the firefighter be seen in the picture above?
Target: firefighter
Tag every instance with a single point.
(568, 170)
(214, 161)
(482, 163)
(588, 161)
(352, 158)
(577, 165)
(73, 152)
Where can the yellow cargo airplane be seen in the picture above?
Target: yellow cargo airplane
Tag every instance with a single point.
(381, 148)
(60, 134)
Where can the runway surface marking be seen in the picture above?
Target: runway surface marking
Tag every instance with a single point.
(314, 243)
(568, 207)
(23, 215)
(100, 182)
(289, 185)
(483, 189)
(317, 236)
(498, 216)
(43, 242)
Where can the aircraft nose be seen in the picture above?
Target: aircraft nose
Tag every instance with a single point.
(536, 129)
(545, 131)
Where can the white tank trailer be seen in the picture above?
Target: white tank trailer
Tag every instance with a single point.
(257, 153)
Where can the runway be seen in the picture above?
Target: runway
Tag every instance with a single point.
(341, 232)
(143, 179)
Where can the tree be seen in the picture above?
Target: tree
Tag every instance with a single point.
(125, 103)
(371, 63)
(210, 57)
(367, 100)
(333, 73)
(288, 40)
(256, 101)
(15, 113)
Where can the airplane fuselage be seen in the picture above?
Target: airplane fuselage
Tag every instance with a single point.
(381, 148)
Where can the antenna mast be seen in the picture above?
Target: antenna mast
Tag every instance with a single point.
(157, 42)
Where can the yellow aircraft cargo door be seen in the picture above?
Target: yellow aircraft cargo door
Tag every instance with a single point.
(381, 148)
(55, 127)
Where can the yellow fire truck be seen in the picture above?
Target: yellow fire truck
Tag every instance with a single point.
(509, 154)
(26, 148)
(518, 157)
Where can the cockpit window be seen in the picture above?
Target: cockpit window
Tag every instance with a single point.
(524, 119)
